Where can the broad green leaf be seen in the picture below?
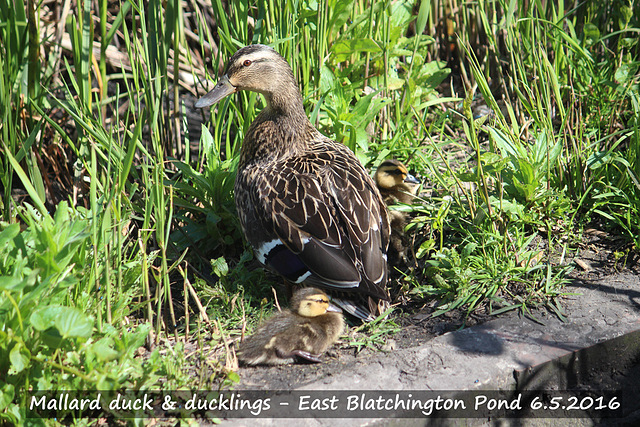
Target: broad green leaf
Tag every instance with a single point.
(468, 176)
(20, 356)
(68, 321)
(7, 393)
(10, 283)
(513, 210)
(220, 267)
(626, 72)
(343, 49)
(104, 350)
(340, 12)
(233, 376)
(492, 162)
(425, 247)
(591, 33)
(327, 79)
(8, 234)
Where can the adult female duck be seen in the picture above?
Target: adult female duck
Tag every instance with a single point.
(306, 204)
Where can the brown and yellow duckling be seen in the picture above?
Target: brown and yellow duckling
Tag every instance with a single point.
(396, 185)
(306, 204)
(304, 332)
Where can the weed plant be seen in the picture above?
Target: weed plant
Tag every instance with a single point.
(122, 265)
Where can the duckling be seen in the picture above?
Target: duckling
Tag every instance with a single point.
(304, 332)
(396, 185)
(306, 204)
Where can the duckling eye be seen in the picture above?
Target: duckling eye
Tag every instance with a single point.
(246, 62)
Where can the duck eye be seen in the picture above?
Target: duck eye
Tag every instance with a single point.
(246, 62)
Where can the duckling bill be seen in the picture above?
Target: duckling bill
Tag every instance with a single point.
(302, 333)
(306, 204)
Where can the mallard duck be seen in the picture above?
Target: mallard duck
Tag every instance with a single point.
(306, 204)
(304, 332)
(396, 185)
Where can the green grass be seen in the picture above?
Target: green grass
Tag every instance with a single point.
(112, 212)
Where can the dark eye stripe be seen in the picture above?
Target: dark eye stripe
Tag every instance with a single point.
(394, 171)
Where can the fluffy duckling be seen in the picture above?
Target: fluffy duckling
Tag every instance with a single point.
(396, 185)
(306, 204)
(304, 332)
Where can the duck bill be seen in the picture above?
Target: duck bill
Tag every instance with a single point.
(222, 89)
(334, 308)
(410, 179)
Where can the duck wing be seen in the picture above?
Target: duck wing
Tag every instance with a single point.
(323, 221)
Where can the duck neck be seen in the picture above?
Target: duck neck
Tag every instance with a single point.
(286, 104)
(281, 129)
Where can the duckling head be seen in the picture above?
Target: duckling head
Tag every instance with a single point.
(256, 68)
(312, 302)
(393, 175)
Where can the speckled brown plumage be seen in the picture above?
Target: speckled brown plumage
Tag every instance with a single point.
(306, 204)
(302, 333)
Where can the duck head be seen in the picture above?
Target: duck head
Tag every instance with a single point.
(393, 175)
(312, 302)
(256, 68)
